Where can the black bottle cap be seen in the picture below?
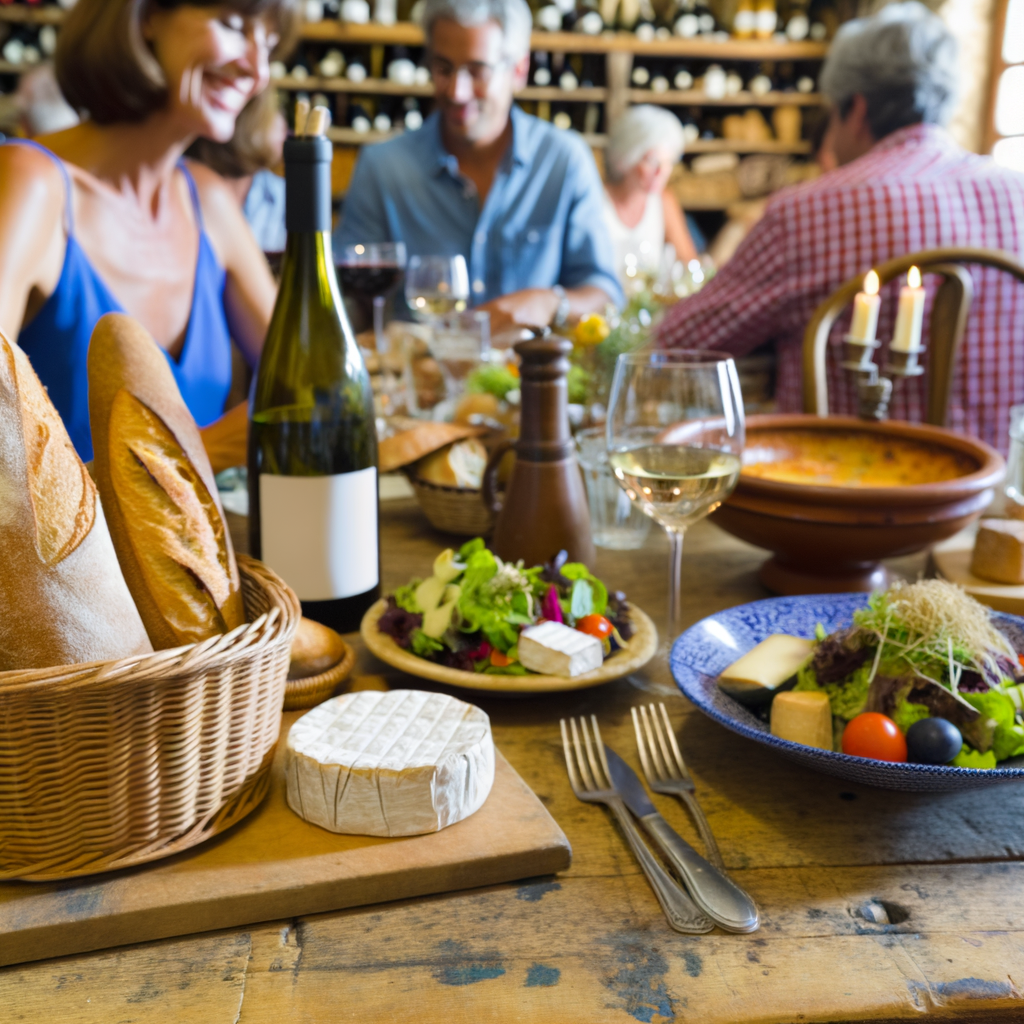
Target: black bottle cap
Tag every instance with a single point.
(307, 173)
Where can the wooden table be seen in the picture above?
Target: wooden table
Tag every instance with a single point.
(591, 946)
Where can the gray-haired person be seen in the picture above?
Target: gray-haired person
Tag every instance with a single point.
(902, 185)
(519, 199)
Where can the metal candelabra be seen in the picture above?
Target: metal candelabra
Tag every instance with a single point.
(874, 390)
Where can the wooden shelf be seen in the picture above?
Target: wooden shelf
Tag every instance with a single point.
(24, 15)
(733, 146)
(383, 87)
(368, 87)
(694, 98)
(407, 34)
(350, 137)
(6, 68)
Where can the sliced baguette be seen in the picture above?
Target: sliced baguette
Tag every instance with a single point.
(158, 490)
(63, 599)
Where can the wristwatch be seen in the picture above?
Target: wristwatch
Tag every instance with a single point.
(561, 317)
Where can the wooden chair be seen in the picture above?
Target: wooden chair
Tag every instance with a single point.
(950, 307)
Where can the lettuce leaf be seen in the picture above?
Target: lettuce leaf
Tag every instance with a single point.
(424, 645)
(971, 758)
(905, 714)
(405, 597)
(578, 571)
(847, 698)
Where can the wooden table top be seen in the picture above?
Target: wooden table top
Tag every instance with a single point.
(591, 945)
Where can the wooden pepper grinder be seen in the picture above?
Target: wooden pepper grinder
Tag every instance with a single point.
(545, 508)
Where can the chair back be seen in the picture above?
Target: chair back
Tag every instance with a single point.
(950, 307)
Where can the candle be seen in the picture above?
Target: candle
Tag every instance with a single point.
(907, 335)
(865, 310)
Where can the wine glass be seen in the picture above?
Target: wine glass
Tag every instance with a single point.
(435, 285)
(675, 440)
(367, 271)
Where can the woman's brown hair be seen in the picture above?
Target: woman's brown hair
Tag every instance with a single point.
(104, 66)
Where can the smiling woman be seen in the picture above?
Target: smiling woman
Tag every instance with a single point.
(108, 217)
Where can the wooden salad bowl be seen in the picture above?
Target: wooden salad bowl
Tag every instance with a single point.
(830, 539)
(638, 651)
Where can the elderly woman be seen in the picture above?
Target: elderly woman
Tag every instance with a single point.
(105, 216)
(644, 146)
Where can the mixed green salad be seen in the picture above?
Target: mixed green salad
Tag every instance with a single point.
(469, 613)
(924, 651)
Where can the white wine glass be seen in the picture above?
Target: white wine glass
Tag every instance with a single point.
(436, 285)
(675, 437)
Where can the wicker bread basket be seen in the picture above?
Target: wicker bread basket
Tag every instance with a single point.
(312, 690)
(457, 510)
(111, 764)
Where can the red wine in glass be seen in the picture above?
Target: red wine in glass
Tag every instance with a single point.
(368, 271)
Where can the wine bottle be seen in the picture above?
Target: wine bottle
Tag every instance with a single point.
(313, 515)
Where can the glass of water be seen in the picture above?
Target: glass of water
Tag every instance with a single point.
(614, 521)
(460, 342)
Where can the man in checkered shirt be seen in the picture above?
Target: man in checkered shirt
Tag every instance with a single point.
(902, 186)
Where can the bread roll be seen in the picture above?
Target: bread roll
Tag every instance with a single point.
(158, 490)
(417, 440)
(458, 465)
(315, 649)
(63, 599)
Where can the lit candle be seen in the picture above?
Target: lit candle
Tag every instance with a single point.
(907, 335)
(865, 310)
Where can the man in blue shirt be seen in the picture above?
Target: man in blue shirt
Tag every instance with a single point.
(518, 198)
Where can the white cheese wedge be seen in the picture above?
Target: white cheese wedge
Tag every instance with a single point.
(803, 717)
(763, 669)
(554, 649)
(395, 763)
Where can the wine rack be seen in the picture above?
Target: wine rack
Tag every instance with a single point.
(605, 93)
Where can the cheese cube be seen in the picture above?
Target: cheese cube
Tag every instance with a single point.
(999, 551)
(803, 718)
(554, 649)
(755, 677)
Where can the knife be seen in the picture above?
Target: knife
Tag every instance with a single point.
(714, 892)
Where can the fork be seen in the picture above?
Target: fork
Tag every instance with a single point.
(666, 772)
(590, 781)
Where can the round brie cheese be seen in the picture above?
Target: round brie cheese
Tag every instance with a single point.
(395, 763)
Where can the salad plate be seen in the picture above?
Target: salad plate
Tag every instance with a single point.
(639, 650)
(705, 649)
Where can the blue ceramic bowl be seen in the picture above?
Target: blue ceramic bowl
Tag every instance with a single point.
(704, 650)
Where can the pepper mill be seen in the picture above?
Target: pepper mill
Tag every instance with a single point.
(545, 506)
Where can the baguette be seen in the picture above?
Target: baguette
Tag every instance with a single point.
(158, 491)
(63, 599)
(460, 465)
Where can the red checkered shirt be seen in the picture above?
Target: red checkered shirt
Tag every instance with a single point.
(915, 190)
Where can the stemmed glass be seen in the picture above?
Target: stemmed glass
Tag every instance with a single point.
(435, 285)
(367, 272)
(675, 439)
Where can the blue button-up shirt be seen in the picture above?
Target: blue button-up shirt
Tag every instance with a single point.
(541, 224)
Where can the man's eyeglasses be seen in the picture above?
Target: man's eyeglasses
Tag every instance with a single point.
(480, 72)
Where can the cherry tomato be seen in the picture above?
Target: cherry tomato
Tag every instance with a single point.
(595, 625)
(874, 735)
(499, 660)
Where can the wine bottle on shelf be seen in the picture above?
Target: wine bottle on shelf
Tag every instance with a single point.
(413, 116)
(358, 119)
(640, 76)
(682, 78)
(313, 512)
(646, 27)
(588, 19)
(744, 22)
(541, 69)
(628, 15)
(685, 22)
(766, 19)
(707, 25)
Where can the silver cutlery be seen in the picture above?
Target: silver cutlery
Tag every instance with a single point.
(666, 772)
(714, 892)
(590, 781)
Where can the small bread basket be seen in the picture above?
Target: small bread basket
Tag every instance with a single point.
(111, 764)
(456, 510)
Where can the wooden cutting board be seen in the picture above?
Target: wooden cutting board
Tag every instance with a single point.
(275, 865)
(952, 561)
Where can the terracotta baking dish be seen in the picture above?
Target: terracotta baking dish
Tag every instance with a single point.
(830, 539)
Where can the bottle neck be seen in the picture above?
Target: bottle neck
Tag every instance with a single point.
(307, 173)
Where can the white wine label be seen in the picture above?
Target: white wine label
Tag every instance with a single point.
(319, 533)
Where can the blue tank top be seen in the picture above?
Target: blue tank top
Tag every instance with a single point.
(57, 340)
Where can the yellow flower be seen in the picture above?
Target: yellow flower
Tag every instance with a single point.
(591, 330)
